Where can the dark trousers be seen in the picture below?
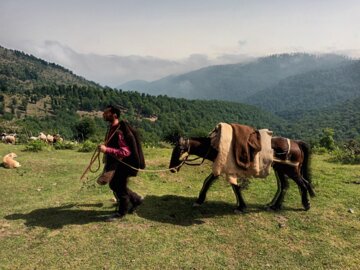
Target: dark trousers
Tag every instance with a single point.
(122, 193)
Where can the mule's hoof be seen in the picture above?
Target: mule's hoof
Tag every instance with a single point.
(307, 208)
(195, 204)
(273, 208)
(240, 211)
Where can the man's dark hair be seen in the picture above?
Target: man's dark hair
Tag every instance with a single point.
(114, 110)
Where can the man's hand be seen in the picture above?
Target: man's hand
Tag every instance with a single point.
(102, 148)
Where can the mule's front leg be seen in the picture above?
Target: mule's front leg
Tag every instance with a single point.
(241, 206)
(206, 185)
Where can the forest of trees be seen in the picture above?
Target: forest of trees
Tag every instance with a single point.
(155, 117)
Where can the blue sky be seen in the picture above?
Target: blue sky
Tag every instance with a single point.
(115, 41)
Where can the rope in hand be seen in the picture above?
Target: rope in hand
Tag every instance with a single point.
(96, 156)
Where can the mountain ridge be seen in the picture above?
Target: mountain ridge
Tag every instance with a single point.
(236, 82)
(315, 89)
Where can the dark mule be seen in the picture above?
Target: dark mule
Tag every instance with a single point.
(293, 163)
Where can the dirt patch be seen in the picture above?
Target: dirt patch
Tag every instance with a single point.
(92, 114)
(41, 108)
(6, 230)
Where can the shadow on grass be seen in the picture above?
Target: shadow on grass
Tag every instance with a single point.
(179, 210)
(57, 217)
(171, 209)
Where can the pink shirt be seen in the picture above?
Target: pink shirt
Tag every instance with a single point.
(122, 151)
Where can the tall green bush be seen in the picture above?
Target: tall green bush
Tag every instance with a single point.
(34, 146)
(87, 146)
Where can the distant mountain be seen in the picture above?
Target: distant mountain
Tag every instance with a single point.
(237, 82)
(135, 84)
(311, 90)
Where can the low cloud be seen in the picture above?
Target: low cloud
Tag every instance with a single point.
(242, 43)
(113, 70)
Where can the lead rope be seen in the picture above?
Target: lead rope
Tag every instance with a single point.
(96, 156)
(150, 170)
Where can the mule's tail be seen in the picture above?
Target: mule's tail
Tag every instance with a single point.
(305, 168)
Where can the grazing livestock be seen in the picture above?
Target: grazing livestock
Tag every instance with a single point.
(9, 162)
(50, 139)
(42, 137)
(58, 138)
(8, 138)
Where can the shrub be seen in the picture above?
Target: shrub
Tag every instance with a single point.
(8, 116)
(349, 153)
(319, 150)
(64, 145)
(87, 146)
(34, 146)
(327, 139)
(85, 128)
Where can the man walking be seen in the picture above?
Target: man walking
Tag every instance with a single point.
(122, 145)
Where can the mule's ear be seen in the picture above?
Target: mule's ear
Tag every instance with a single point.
(172, 138)
(181, 140)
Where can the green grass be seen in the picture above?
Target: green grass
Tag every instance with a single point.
(49, 219)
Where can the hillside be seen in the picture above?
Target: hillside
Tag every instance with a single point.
(344, 118)
(311, 90)
(238, 81)
(20, 72)
(55, 101)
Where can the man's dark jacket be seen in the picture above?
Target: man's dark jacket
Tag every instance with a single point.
(136, 158)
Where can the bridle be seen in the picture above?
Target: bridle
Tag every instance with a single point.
(186, 149)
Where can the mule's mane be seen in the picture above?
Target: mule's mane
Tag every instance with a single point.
(202, 139)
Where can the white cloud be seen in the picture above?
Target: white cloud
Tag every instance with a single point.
(113, 70)
(242, 43)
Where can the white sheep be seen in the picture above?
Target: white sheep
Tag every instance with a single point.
(9, 139)
(50, 138)
(9, 162)
(42, 137)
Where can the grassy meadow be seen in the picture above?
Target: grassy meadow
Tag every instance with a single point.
(49, 219)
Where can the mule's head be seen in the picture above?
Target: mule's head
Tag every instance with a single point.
(179, 153)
